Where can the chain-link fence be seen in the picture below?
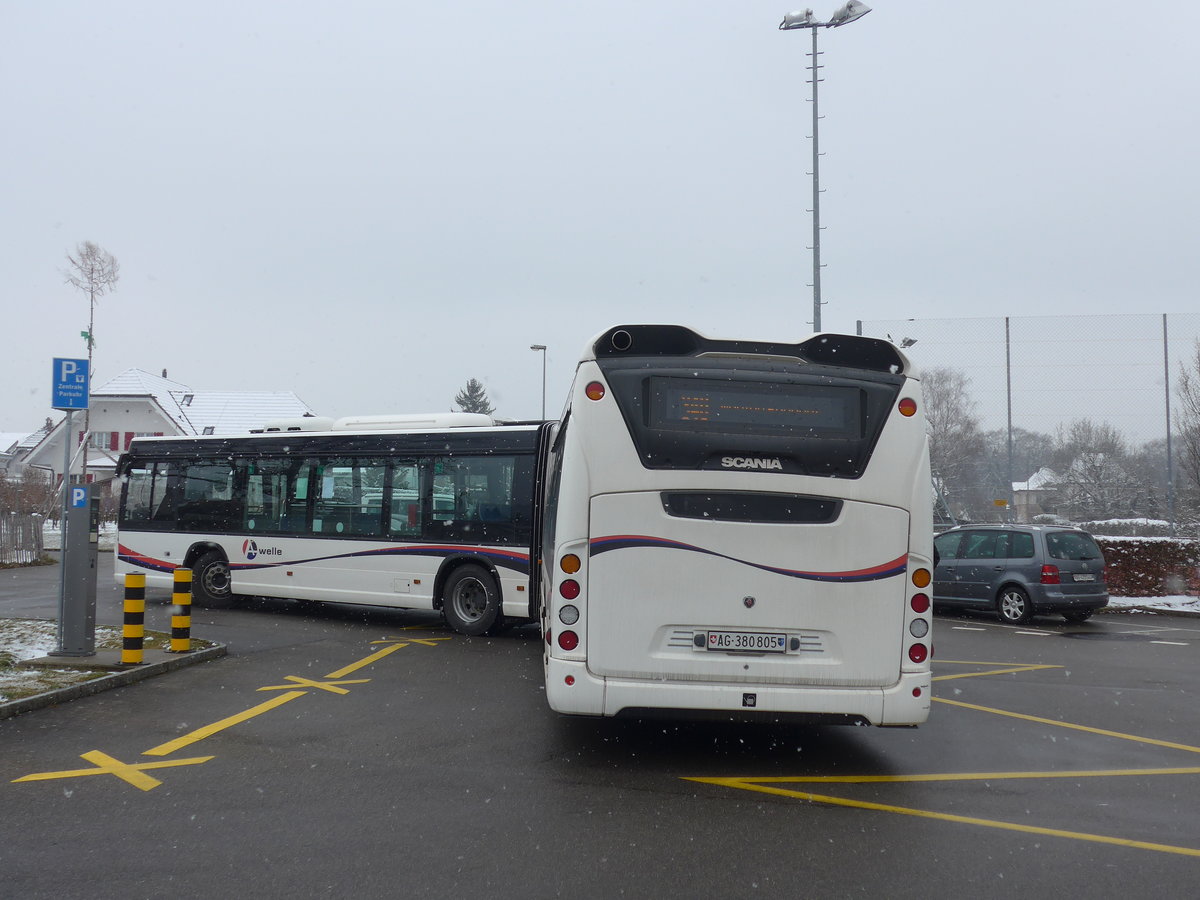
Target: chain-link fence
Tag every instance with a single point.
(1078, 418)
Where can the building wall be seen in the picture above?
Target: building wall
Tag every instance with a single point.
(117, 419)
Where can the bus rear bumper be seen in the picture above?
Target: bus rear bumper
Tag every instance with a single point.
(572, 690)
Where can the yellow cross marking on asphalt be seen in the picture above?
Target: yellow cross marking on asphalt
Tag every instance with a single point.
(133, 773)
(426, 641)
(331, 686)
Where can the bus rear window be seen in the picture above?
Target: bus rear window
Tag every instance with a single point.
(749, 415)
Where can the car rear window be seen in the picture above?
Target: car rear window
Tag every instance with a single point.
(1071, 545)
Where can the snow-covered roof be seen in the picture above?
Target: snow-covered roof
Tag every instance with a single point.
(1043, 479)
(205, 412)
(10, 439)
(230, 412)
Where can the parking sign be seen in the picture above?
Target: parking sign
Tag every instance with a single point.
(70, 382)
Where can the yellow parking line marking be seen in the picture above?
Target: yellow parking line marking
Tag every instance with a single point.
(132, 773)
(366, 661)
(331, 686)
(980, 662)
(754, 785)
(208, 730)
(1008, 671)
(1043, 721)
(951, 776)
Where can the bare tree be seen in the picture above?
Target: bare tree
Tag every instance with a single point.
(1187, 421)
(1096, 480)
(95, 272)
(956, 443)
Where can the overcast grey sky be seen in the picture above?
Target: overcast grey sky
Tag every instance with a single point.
(369, 203)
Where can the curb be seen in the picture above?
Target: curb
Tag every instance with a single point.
(168, 663)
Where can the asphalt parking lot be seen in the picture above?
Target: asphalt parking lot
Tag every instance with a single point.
(350, 749)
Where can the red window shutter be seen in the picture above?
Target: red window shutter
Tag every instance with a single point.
(81, 435)
(158, 434)
(114, 440)
(128, 439)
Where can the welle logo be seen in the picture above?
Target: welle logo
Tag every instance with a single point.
(250, 550)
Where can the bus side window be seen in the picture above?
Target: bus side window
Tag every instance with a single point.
(406, 494)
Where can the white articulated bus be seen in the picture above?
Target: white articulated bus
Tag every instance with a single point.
(741, 528)
(415, 512)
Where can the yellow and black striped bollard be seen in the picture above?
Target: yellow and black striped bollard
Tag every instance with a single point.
(134, 632)
(181, 615)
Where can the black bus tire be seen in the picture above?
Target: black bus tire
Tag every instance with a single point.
(211, 587)
(471, 601)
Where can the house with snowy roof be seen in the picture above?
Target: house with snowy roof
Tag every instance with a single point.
(1036, 496)
(139, 404)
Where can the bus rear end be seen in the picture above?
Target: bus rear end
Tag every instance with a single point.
(740, 528)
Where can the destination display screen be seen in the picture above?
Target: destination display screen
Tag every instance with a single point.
(756, 407)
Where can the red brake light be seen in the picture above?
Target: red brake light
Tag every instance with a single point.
(569, 589)
(568, 640)
(917, 652)
(1050, 575)
(919, 603)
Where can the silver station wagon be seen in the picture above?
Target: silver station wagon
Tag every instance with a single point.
(1020, 571)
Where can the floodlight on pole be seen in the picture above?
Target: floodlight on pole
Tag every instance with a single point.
(848, 12)
(542, 348)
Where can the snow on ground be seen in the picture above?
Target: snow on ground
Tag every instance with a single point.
(1176, 603)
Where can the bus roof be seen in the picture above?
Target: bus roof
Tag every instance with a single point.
(825, 349)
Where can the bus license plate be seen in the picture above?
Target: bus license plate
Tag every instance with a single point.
(749, 641)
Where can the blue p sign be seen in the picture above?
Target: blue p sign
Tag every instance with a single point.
(79, 497)
(70, 383)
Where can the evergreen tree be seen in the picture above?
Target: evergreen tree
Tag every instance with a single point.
(474, 399)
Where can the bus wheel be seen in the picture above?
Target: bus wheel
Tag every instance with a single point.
(471, 601)
(210, 582)
(1014, 606)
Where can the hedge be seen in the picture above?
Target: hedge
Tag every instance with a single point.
(1150, 567)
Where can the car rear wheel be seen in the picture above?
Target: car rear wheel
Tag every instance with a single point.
(1013, 605)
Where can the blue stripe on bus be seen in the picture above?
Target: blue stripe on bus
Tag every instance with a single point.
(630, 541)
(508, 559)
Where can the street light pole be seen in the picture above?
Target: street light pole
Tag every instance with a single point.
(791, 22)
(542, 348)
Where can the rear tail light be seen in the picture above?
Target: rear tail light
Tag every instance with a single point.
(908, 407)
(569, 589)
(921, 578)
(594, 391)
(1050, 575)
(568, 640)
(918, 653)
(919, 603)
